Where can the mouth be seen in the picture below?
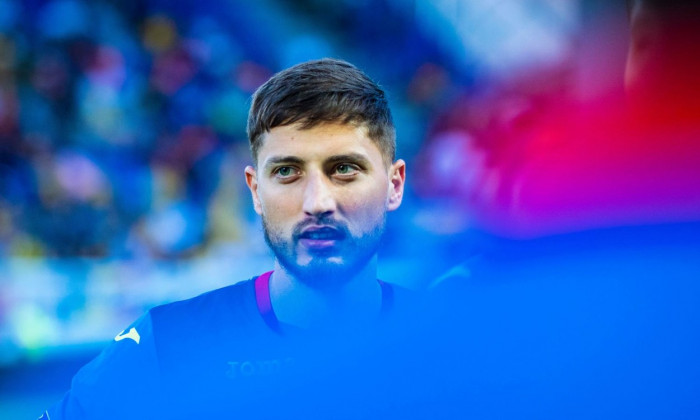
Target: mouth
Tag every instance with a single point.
(321, 237)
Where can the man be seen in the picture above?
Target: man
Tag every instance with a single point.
(324, 176)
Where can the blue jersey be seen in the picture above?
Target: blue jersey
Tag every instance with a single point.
(218, 353)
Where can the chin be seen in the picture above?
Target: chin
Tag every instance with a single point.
(327, 274)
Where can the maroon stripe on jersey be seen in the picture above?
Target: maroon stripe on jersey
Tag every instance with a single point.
(262, 298)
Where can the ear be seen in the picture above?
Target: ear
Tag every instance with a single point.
(251, 178)
(397, 179)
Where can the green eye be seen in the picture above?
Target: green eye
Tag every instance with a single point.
(285, 171)
(347, 169)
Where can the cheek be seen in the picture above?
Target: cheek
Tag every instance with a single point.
(276, 210)
(366, 208)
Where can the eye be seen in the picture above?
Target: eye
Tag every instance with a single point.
(343, 169)
(346, 169)
(285, 173)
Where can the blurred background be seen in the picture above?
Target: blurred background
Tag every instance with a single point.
(122, 146)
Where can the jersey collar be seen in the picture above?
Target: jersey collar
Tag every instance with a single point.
(264, 303)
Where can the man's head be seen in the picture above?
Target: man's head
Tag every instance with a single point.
(322, 91)
(323, 144)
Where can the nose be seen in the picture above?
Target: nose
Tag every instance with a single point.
(318, 196)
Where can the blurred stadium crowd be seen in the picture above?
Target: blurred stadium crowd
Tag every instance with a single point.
(115, 127)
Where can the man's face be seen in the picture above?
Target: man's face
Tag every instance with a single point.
(323, 194)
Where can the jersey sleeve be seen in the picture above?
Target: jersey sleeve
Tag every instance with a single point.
(122, 382)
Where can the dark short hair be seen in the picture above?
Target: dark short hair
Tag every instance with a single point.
(322, 91)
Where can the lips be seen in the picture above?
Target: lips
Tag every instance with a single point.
(322, 233)
(321, 237)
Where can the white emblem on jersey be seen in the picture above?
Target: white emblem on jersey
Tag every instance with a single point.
(132, 334)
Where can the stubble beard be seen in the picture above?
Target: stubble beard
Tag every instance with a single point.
(321, 272)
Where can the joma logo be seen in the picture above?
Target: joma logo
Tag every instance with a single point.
(249, 368)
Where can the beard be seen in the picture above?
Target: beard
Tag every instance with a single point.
(326, 269)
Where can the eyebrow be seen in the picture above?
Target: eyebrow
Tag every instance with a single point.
(356, 158)
(276, 160)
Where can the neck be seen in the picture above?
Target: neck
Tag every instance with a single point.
(357, 302)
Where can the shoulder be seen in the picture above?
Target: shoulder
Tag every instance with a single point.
(118, 383)
(223, 319)
(233, 298)
(129, 373)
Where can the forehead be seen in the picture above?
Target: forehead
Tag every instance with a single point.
(318, 143)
